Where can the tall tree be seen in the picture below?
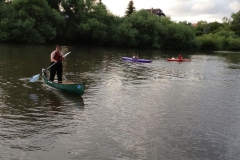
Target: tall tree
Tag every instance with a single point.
(226, 23)
(54, 4)
(29, 21)
(79, 13)
(235, 25)
(130, 9)
(215, 26)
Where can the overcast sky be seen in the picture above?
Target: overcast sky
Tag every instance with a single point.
(181, 10)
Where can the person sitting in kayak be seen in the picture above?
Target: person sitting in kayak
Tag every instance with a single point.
(180, 57)
(135, 55)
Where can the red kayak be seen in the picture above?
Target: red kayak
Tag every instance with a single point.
(178, 60)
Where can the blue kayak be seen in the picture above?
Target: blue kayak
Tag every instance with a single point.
(136, 60)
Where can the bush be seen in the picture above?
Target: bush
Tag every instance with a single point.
(233, 43)
(180, 37)
(211, 42)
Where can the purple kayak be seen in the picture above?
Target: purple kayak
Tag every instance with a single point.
(136, 60)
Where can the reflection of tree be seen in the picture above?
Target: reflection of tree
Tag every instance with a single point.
(230, 57)
(59, 99)
(54, 103)
(27, 113)
(39, 117)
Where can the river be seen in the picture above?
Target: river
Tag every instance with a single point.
(143, 111)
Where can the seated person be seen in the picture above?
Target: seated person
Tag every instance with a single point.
(180, 57)
(135, 55)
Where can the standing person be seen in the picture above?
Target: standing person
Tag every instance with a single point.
(57, 58)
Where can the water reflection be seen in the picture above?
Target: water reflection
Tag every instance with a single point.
(129, 111)
(54, 103)
(33, 97)
(67, 99)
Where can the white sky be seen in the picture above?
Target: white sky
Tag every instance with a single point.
(181, 10)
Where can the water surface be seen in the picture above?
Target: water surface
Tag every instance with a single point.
(158, 110)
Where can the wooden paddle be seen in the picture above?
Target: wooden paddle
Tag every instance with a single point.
(36, 77)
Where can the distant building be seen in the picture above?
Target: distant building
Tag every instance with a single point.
(194, 24)
(157, 12)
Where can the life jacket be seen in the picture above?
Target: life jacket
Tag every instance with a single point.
(57, 56)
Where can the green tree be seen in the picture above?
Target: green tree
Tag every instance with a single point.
(54, 4)
(226, 35)
(88, 21)
(214, 27)
(146, 25)
(226, 20)
(123, 33)
(233, 43)
(235, 25)
(211, 42)
(6, 18)
(186, 23)
(130, 9)
(180, 36)
(29, 21)
(226, 23)
(201, 28)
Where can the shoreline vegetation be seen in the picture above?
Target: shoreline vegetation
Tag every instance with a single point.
(90, 22)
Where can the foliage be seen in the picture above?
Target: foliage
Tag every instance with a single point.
(84, 18)
(124, 34)
(180, 37)
(226, 23)
(147, 25)
(54, 4)
(6, 19)
(145, 30)
(89, 21)
(226, 35)
(203, 27)
(130, 9)
(233, 43)
(137, 30)
(226, 40)
(214, 27)
(210, 42)
(94, 30)
(31, 21)
(185, 23)
(235, 25)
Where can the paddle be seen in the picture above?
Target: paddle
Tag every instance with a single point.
(36, 77)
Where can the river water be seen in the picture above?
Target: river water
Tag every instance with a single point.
(160, 110)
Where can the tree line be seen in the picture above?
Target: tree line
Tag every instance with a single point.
(90, 22)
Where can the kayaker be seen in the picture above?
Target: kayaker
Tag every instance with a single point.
(180, 57)
(135, 55)
(57, 58)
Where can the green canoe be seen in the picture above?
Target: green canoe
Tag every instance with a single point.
(67, 86)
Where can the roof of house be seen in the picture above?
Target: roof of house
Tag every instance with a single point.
(156, 11)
